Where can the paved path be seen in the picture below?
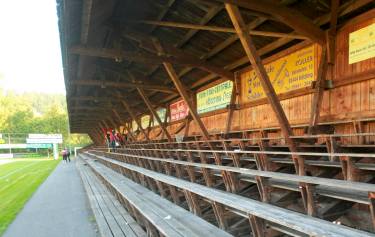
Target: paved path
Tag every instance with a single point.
(59, 208)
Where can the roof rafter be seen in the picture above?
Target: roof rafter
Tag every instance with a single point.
(288, 16)
(105, 84)
(148, 58)
(219, 29)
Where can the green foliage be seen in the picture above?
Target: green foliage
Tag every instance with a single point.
(37, 113)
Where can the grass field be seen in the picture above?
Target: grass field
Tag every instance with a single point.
(18, 181)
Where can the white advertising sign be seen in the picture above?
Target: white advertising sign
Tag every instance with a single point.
(6, 155)
(13, 146)
(45, 136)
(44, 141)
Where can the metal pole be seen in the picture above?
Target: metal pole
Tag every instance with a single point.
(10, 149)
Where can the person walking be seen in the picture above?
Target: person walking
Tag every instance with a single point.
(68, 155)
(64, 155)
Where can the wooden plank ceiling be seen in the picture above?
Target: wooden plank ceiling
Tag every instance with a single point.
(109, 47)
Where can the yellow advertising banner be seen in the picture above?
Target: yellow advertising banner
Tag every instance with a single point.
(294, 71)
(134, 126)
(216, 97)
(145, 121)
(362, 44)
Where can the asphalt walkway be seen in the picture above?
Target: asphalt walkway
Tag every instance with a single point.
(59, 208)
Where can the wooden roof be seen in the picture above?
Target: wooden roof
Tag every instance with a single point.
(108, 47)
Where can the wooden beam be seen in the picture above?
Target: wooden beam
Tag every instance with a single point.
(153, 112)
(105, 84)
(146, 42)
(318, 91)
(219, 29)
(326, 67)
(91, 98)
(181, 88)
(183, 92)
(132, 115)
(249, 47)
(344, 9)
(232, 105)
(86, 18)
(211, 13)
(125, 126)
(146, 58)
(288, 16)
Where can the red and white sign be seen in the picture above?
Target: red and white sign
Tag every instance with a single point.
(179, 110)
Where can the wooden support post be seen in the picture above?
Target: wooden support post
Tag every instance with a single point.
(332, 147)
(190, 169)
(106, 125)
(349, 169)
(257, 226)
(307, 193)
(256, 62)
(112, 122)
(263, 188)
(232, 105)
(161, 188)
(371, 196)
(129, 110)
(193, 202)
(358, 128)
(319, 91)
(182, 91)
(326, 67)
(235, 157)
(185, 96)
(153, 112)
(174, 194)
(206, 172)
(219, 211)
(125, 126)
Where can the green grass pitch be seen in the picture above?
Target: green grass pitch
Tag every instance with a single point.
(18, 181)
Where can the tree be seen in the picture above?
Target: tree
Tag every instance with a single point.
(36, 113)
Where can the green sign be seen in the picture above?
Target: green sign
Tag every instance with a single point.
(216, 97)
(162, 112)
(39, 146)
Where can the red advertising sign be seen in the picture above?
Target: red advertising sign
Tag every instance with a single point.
(179, 110)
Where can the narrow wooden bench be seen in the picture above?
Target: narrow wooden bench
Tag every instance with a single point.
(164, 216)
(111, 217)
(297, 223)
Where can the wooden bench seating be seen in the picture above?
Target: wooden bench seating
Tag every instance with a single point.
(296, 223)
(111, 217)
(164, 216)
(344, 190)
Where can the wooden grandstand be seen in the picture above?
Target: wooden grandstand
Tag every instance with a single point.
(237, 117)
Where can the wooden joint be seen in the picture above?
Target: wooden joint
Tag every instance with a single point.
(371, 196)
(327, 84)
(219, 211)
(349, 169)
(193, 202)
(234, 106)
(257, 226)
(307, 193)
(263, 188)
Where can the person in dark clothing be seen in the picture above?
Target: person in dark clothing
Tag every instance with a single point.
(68, 155)
(108, 138)
(113, 141)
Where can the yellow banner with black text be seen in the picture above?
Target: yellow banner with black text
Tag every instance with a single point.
(291, 72)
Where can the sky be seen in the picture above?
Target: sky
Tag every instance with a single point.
(30, 56)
